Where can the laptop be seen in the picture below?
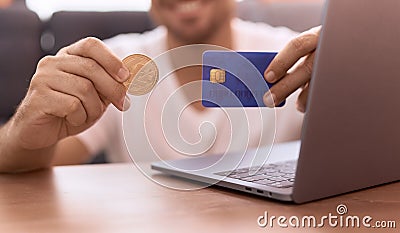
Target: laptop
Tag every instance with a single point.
(351, 130)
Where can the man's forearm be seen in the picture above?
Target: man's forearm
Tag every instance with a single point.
(14, 158)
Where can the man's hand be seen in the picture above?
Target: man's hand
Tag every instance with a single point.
(304, 47)
(69, 93)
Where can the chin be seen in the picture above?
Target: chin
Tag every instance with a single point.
(194, 37)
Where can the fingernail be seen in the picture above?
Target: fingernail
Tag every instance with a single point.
(123, 74)
(270, 77)
(269, 100)
(126, 103)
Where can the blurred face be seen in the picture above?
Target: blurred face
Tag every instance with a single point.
(5, 3)
(192, 21)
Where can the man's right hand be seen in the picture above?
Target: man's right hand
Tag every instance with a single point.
(68, 93)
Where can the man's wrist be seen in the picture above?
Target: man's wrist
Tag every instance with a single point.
(15, 158)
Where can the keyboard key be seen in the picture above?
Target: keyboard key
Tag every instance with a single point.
(253, 178)
(277, 179)
(276, 174)
(289, 176)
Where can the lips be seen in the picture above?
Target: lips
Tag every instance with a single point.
(182, 6)
(187, 7)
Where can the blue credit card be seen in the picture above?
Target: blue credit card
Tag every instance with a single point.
(235, 79)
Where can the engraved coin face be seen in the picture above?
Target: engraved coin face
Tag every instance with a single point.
(143, 74)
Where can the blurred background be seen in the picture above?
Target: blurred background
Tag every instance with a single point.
(31, 29)
(44, 8)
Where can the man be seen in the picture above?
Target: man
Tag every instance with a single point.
(70, 92)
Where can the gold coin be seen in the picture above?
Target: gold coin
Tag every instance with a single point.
(143, 74)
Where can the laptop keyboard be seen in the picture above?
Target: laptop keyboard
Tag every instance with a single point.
(278, 175)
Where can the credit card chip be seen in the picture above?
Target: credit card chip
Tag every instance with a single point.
(217, 76)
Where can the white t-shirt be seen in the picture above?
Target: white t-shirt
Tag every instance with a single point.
(160, 123)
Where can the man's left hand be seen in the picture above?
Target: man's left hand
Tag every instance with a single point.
(301, 47)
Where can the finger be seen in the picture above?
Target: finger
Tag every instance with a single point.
(81, 88)
(300, 46)
(290, 83)
(95, 49)
(104, 100)
(302, 99)
(65, 106)
(112, 90)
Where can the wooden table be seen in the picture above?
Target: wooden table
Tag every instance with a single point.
(118, 198)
